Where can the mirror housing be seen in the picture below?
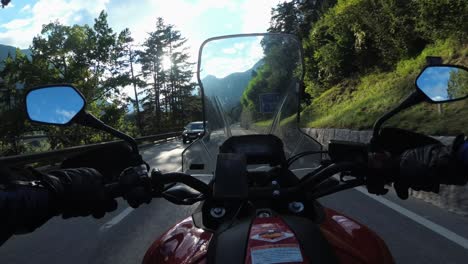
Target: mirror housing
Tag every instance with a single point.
(443, 83)
(57, 104)
(40, 102)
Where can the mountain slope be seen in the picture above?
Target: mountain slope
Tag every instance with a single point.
(5, 50)
(229, 89)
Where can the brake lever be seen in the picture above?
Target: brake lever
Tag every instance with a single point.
(186, 201)
(345, 174)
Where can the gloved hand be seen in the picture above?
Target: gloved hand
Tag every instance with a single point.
(79, 192)
(117, 163)
(137, 185)
(25, 206)
(109, 160)
(425, 168)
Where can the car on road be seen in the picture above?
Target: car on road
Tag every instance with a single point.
(193, 131)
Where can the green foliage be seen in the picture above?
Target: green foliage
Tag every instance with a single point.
(356, 37)
(280, 68)
(297, 16)
(357, 103)
(362, 57)
(457, 86)
(442, 19)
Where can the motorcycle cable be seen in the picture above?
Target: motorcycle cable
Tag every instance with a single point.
(296, 157)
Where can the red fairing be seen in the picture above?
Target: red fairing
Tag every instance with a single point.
(182, 244)
(353, 242)
(272, 241)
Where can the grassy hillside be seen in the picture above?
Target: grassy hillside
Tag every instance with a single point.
(357, 102)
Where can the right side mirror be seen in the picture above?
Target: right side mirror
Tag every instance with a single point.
(443, 83)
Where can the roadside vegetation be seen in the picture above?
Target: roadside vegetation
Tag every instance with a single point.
(362, 58)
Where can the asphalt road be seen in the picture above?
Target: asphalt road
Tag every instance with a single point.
(124, 235)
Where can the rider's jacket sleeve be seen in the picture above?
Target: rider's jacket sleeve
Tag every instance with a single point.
(22, 210)
(463, 154)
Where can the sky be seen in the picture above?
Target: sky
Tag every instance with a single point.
(197, 20)
(226, 56)
(56, 105)
(434, 82)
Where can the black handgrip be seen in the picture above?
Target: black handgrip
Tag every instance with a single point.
(114, 190)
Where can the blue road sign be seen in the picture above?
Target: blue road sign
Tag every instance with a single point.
(269, 102)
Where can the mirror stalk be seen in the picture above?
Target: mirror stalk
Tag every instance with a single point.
(87, 119)
(414, 98)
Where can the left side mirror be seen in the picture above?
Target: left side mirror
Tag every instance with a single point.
(54, 104)
(443, 83)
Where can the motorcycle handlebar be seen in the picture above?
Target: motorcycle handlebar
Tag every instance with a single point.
(159, 179)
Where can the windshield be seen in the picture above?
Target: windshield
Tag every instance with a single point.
(251, 85)
(196, 126)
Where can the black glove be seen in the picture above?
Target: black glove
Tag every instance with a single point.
(425, 168)
(117, 163)
(79, 192)
(137, 185)
(24, 206)
(109, 160)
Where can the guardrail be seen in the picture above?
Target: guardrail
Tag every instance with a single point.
(66, 152)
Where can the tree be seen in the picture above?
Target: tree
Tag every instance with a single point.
(87, 57)
(100, 62)
(442, 19)
(457, 86)
(151, 58)
(11, 107)
(169, 85)
(297, 16)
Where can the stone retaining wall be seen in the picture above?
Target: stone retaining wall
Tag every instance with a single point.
(452, 198)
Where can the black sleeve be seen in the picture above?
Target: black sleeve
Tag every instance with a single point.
(23, 210)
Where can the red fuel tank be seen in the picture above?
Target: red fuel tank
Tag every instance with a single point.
(352, 242)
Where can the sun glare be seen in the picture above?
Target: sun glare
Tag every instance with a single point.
(166, 62)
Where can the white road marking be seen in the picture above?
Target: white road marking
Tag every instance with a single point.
(116, 219)
(461, 241)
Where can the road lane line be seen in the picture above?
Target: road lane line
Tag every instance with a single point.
(461, 241)
(116, 219)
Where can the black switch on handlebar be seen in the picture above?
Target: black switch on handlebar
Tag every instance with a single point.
(340, 151)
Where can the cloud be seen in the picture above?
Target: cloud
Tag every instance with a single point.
(61, 116)
(17, 24)
(26, 8)
(229, 51)
(140, 17)
(439, 98)
(239, 46)
(10, 5)
(20, 32)
(220, 63)
(256, 18)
